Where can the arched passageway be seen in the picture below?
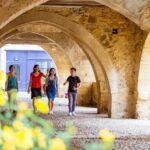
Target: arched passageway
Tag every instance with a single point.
(66, 47)
(52, 51)
(88, 93)
(87, 45)
(107, 52)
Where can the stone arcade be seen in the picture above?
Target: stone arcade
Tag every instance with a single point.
(107, 41)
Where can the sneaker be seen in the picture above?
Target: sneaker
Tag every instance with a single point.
(70, 114)
(50, 112)
(73, 113)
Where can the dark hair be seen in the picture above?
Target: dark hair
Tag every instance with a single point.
(74, 69)
(50, 72)
(35, 67)
(11, 66)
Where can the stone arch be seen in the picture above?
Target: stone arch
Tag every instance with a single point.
(18, 8)
(143, 101)
(90, 45)
(2, 46)
(63, 66)
(122, 6)
(87, 95)
(59, 64)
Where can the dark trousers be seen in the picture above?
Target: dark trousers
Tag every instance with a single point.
(72, 101)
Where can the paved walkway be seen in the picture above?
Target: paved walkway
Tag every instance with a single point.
(131, 134)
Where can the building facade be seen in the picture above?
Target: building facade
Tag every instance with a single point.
(24, 60)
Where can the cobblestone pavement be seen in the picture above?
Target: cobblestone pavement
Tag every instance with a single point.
(131, 134)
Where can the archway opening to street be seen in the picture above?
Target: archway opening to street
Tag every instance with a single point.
(47, 54)
(66, 56)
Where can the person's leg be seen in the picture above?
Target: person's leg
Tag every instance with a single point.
(70, 102)
(52, 105)
(14, 99)
(33, 103)
(9, 100)
(74, 102)
(49, 104)
(12, 95)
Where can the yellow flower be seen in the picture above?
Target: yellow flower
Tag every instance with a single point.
(8, 136)
(36, 132)
(107, 136)
(6, 128)
(1, 75)
(42, 140)
(57, 144)
(24, 139)
(20, 138)
(1, 141)
(18, 125)
(41, 137)
(2, 100)
(41, 106)
(8, 146)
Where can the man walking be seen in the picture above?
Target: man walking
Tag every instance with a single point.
(74, 83)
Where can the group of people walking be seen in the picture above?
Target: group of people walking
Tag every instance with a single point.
(50, 87)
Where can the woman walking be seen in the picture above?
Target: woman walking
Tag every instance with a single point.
(11, 87)
(35, 84)
(51, 88)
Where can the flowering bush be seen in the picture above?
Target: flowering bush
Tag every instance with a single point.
(24, 130)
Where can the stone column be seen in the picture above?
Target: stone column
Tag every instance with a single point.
(3, 63)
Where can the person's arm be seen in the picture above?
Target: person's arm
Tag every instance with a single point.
(6, 82)
(66, 81)
(45, 75)
(57, 84)
(17, 82)
(45, 86)
(79, 83)
(30, 83)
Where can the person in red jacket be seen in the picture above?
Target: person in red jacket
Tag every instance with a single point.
(35, 84)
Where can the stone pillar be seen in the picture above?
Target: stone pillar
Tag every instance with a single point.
(143, 102)
(3, 63)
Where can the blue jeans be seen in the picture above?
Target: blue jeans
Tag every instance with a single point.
(72, 101)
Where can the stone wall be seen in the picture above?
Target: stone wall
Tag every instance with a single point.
(123, 40)
(143, 103)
